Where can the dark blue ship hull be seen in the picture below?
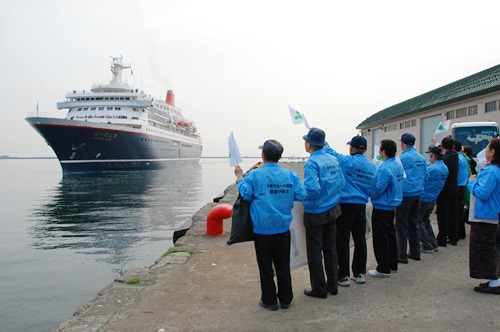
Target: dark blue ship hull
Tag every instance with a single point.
(83, 147)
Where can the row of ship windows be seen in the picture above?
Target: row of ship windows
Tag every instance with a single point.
(102, 109)
(104, 117)
(154, 140)
(101, 98)
(98, 108)
(162, 107)
(175, 144)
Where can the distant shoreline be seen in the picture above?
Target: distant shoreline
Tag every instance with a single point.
(7, 157)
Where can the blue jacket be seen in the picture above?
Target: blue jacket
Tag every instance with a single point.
(324, 182)
(437, 174)
(415, 167)
(272, 190)
(387, 193)
(486, 189)
(463, 170)
(359, 173)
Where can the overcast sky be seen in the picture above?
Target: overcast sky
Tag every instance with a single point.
(235, 66)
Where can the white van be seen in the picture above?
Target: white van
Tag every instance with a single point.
(475, 134)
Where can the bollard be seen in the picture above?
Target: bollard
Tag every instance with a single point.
(215, 226)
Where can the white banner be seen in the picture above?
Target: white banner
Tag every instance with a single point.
(298, 249)
(234, 152)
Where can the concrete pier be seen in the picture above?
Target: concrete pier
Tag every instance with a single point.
(217, 289)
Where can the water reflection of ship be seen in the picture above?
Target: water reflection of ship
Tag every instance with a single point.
(109, 215)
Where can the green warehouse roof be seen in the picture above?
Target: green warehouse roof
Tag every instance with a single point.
(484, 82)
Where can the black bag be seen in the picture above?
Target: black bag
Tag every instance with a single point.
(241, 227)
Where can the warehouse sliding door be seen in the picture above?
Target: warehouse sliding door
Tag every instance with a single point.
(428, 128)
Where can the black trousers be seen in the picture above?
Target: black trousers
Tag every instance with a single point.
(384, 240)
(407, 226)
(321, 248)
(274, 249)
(352, 221)
(447, 215)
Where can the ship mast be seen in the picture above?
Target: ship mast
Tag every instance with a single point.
(116, 68)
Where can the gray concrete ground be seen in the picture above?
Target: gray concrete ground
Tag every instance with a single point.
(218, 289)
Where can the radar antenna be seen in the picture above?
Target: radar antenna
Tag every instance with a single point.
(116, 69)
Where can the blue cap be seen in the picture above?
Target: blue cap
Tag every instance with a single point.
(315, 136)
(272, 147)
(358, 142)
(407, 139)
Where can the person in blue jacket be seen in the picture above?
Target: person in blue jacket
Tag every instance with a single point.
(437, 173)
(386, 195)
(324, 183)
(484, 247)
(359, 173)
(272, 191)
(463, 176)
(407, 214)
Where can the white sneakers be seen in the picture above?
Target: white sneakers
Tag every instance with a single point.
(344, 282)
(376, 274)
(360, 279)
(429, 251)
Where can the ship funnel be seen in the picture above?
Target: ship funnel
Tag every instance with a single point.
(170, 98)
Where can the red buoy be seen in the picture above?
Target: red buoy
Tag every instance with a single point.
(215, 226)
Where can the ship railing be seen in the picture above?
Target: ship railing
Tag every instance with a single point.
(37, 114)
(173, 128)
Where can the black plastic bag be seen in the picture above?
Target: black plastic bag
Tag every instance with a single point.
(241, 227)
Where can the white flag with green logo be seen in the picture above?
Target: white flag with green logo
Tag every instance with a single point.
(298, 117)
(442, 127)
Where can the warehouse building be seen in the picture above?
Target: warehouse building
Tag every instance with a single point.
(473, 98)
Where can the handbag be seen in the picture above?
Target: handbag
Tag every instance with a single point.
(241, 226)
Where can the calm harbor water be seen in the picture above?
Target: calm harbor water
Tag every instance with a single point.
(63, 239)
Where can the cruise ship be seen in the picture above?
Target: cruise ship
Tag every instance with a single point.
(115, 127)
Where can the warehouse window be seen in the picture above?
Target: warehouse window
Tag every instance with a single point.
(450, 115)
(460, 113)
(490, 107)
(472, 110)
(408, 124)
(391, 127)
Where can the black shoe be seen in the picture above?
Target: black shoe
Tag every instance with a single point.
(310, 292)
(272, 307)
(415, 258)
(452, 243)
(285, 305)
(334, 291)
(442, 245)
(485, 288)
(403, 260)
